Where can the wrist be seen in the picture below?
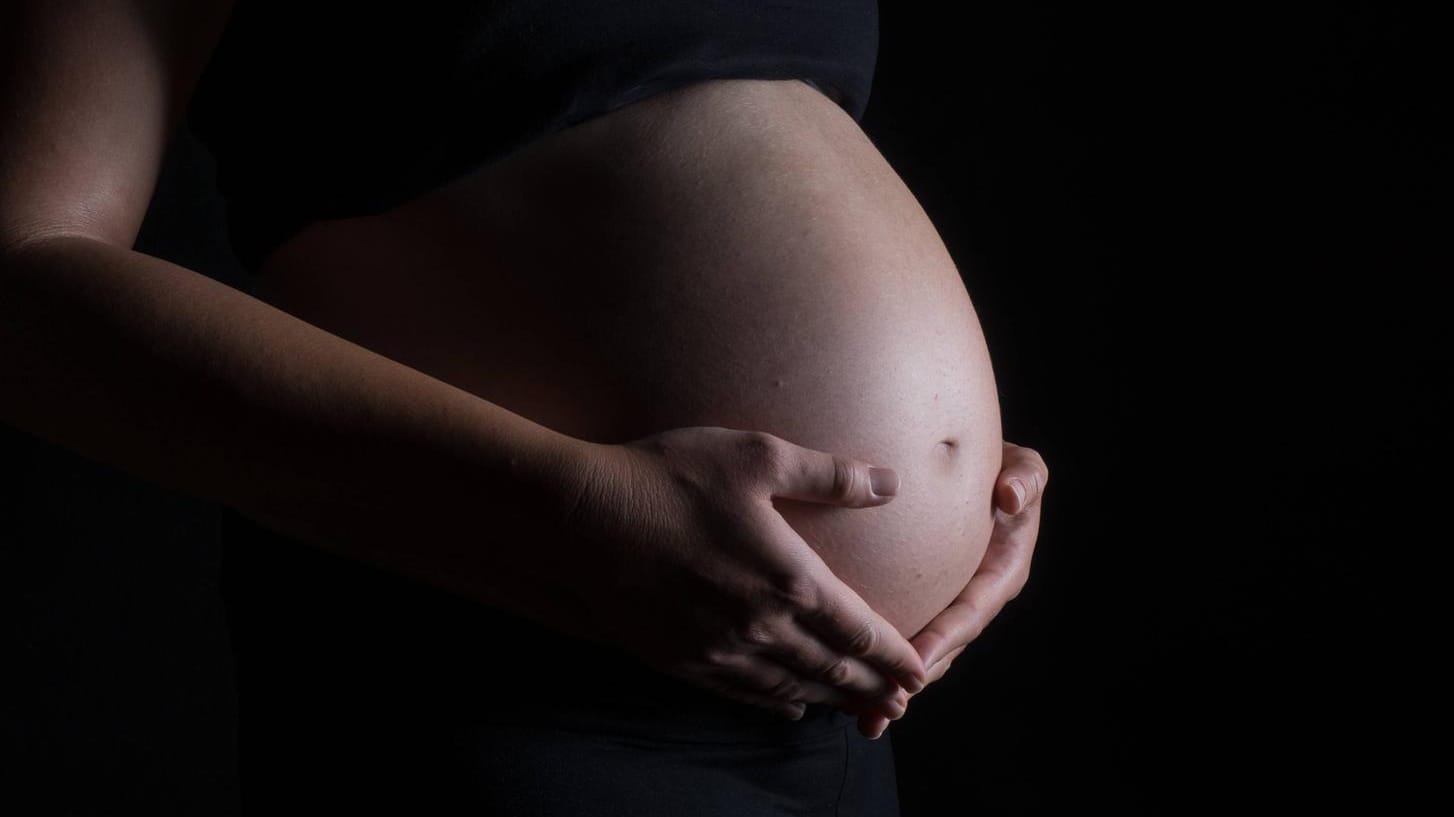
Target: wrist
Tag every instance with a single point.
(560, 471)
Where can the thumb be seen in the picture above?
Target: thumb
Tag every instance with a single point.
(818, 476)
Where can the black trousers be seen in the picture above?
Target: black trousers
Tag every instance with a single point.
(358, 688)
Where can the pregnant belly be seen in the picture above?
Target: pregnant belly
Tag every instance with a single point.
(734, 253)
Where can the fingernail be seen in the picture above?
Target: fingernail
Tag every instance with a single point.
(912, 684)
(884, 481)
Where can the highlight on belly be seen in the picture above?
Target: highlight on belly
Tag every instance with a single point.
(732, 253)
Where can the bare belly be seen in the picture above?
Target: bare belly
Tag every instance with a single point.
(733, 253)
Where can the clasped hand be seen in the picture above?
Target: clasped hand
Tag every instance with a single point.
(686, 563)
(998, 580)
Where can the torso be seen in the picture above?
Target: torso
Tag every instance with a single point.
(732, 253)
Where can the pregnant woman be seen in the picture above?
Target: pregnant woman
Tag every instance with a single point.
(604, 422)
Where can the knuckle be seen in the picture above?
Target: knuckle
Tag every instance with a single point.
(848, 479)
(940, 669)
(865, 639)
(787, 689)
(758, 633)
(836, 673)
(764, 453)
(1039, 475)
(799, 593)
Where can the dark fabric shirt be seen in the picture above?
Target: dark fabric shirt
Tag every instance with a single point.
(330, 109)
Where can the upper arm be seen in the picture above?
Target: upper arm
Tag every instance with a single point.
(91, 92)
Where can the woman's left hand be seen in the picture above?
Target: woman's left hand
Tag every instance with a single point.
(1000, 577)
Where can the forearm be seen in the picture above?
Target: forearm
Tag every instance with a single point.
(164, 373)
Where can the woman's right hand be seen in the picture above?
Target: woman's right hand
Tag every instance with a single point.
(688, 565)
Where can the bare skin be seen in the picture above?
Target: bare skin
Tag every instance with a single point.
(735, 254)
(732, 253)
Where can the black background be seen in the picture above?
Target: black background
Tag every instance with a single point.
(1203, 243)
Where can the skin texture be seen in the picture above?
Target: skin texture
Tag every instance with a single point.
(683, 521)
(999, 579)
(752, 262)
(734, 253)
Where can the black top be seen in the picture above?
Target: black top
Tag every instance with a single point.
(330, 109)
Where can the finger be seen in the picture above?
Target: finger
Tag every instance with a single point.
(767, 677)
(940, 667)
(824, 605)
(1021, 480)
(794, 646)
(791, 710)
(847, 624)
(818, 476)
(1001, 575)
(872, 726)
(966, 617)
(892, 707)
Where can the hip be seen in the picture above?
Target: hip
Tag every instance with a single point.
(355, 685)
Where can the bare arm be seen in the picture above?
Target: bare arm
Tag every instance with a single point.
(167, 374)
(163, 372)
